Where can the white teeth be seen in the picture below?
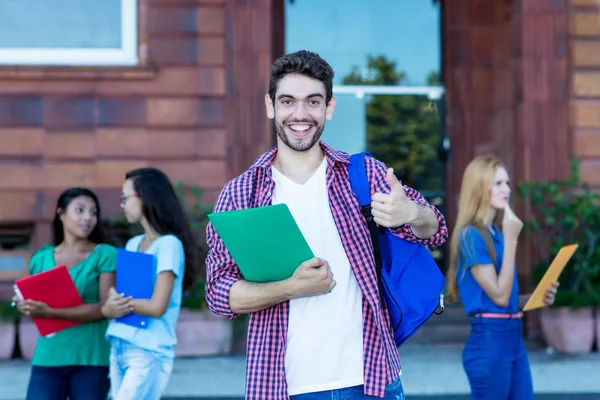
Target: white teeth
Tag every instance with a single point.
(300, 128)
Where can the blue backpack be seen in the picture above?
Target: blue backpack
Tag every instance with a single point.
(411, 286)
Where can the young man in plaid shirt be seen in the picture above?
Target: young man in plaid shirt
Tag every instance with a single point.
(322, 333)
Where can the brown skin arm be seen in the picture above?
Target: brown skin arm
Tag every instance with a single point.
(82, 313)
(157, 305)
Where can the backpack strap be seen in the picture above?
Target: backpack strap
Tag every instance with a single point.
(362, 190)
(358, 178)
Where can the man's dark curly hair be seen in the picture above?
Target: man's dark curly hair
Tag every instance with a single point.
(305, 63)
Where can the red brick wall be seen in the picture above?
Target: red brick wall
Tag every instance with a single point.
(506, 69)
(479, 76)
(189, 109)
(584, 71)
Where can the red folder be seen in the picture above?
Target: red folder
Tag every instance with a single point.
(55, 288)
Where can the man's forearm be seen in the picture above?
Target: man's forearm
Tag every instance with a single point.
(249, 297)
(426, 225)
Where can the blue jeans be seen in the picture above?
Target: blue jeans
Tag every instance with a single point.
(74, 383)
(495, 360)
(393, 391)
(136, 373)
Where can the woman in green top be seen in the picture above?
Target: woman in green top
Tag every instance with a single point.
(73, 363)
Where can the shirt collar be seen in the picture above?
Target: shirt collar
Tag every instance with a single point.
(333, 156)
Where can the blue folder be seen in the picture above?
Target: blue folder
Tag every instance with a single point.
(135, 277)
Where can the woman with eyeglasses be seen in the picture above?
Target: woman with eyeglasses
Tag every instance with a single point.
(73, 363)
(141, 360)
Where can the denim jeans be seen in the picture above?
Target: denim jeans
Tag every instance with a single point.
(495, 360)
(393, 391)
(74, 383)
(137, 374)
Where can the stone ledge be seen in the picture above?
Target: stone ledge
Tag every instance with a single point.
(95, 73)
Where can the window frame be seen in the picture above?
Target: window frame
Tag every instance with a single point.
(22, 234)
(127, 55)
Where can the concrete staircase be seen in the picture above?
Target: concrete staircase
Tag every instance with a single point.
(451, 327)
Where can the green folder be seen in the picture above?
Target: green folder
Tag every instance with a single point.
(265, 242)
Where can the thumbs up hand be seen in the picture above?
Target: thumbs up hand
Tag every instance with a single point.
(395, 208)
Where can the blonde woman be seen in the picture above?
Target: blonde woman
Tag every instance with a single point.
(482, 269)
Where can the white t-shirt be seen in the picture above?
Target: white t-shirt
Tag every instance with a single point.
(325, 334)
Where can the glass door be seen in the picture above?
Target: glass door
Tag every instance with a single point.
(386, 55)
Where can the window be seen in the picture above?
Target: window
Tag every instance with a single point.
(15, 241)
(68, 32)
(386, 55)
(359, 41)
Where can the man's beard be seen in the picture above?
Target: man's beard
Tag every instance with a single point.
(298, 146)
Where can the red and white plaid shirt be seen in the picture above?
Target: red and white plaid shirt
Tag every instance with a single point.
(267, 329)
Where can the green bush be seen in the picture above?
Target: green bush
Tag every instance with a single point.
(565, 212)
(7, 311)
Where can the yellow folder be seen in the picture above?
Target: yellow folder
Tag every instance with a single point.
(556, 267)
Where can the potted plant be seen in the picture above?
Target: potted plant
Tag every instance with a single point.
(8, 320)
(28, 337)
(239, 336)
(199, 331)
(595, 283)
(564, 212)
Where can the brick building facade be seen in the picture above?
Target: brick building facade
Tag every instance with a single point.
(192, 107)
(522, 79)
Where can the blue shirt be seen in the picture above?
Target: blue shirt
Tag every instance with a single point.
(159, 335)
(473, 251)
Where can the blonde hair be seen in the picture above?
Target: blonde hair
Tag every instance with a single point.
(473, 207)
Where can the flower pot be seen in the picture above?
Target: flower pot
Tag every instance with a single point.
(597, 320)
(239, 339)
(28, 336)
(568, 331)
(7, 338)
(202, 333)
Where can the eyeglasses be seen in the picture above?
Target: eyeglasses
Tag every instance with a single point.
(124, 198)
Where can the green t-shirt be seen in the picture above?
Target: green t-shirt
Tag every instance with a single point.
(83, 344)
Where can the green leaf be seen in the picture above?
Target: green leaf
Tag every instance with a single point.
(564, 212)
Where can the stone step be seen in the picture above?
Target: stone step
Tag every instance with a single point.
(440, 334)
(453, 315)
(451, 327)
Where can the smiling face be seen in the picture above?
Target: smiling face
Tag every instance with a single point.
(500, 190)
(80, 217)
(299, 111)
